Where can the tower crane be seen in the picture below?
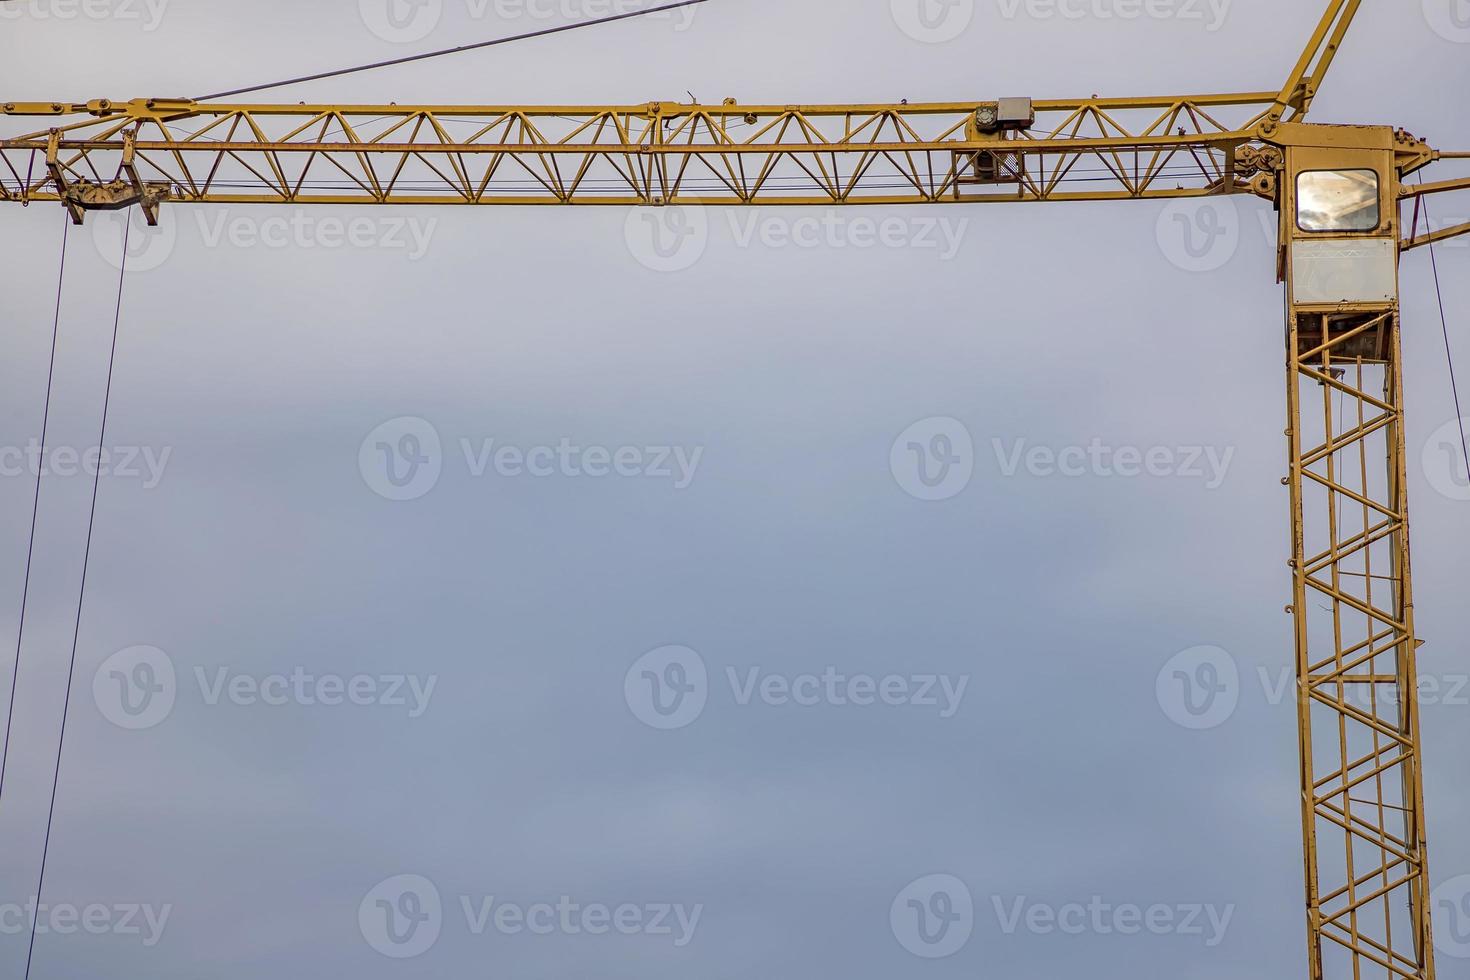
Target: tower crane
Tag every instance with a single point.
(1341, 191)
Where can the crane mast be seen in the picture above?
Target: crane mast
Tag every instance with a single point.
(1340, 192)
(1368, 888)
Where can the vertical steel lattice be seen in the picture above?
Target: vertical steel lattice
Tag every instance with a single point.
(1362, 795)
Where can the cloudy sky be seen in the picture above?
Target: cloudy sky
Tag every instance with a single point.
(515, 605)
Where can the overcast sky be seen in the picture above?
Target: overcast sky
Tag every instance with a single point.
(483, 593)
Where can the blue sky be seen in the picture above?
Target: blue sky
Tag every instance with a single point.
(453, 686)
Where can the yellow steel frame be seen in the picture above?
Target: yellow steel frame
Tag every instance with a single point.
(1361, 760)
(659, 153)
(1362, 792)
(1301, 88)
(1362, 779)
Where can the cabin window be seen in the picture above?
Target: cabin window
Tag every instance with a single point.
(1338, 200)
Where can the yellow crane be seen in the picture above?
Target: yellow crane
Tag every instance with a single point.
(1340, 190)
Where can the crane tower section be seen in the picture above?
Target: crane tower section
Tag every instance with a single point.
(1362, 783)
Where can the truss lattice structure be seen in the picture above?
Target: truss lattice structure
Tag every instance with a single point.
(1367, 884)
(658, 153)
